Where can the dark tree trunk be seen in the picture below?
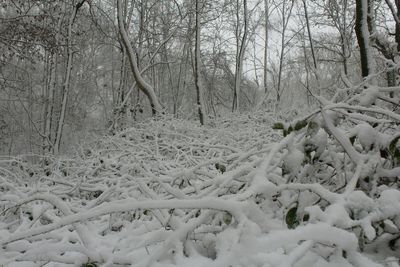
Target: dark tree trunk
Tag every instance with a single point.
(362, 33)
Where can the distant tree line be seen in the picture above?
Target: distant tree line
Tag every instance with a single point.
(68, 68)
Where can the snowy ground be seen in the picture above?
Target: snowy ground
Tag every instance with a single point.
(172, 193)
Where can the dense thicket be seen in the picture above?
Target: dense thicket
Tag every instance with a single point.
(278, 151)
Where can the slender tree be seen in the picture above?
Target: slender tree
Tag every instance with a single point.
(197, 66)
(266, 32)
(240, 51)
(67, 79)
(144, 86)
(286, 13)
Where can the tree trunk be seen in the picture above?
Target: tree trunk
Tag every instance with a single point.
(315, 63)
(240, 50)
(396, 75)
(48, 112)
(266, 7)
(120, 108)
(145, 87)
(310, 36)
(363, 34)
(285, 21)
(197, 67)
(344, 38)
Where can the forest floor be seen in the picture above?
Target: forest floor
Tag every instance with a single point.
(173, 193)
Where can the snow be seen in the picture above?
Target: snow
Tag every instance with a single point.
(389, 201)
(167, 201)
(367, 135)
(358, 200)
(293, 160)
(369, 96)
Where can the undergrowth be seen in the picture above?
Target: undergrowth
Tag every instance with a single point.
(246, 190)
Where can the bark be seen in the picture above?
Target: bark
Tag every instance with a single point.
(197, 66)
(344, 54)
(363, 33)
(145, 87)
(344, 40)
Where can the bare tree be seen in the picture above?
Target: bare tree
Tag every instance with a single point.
(197, 66)
(310, 39)
(145, 87)
(285, 12)
(241, 40)
(66, 84)
(266, 32)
